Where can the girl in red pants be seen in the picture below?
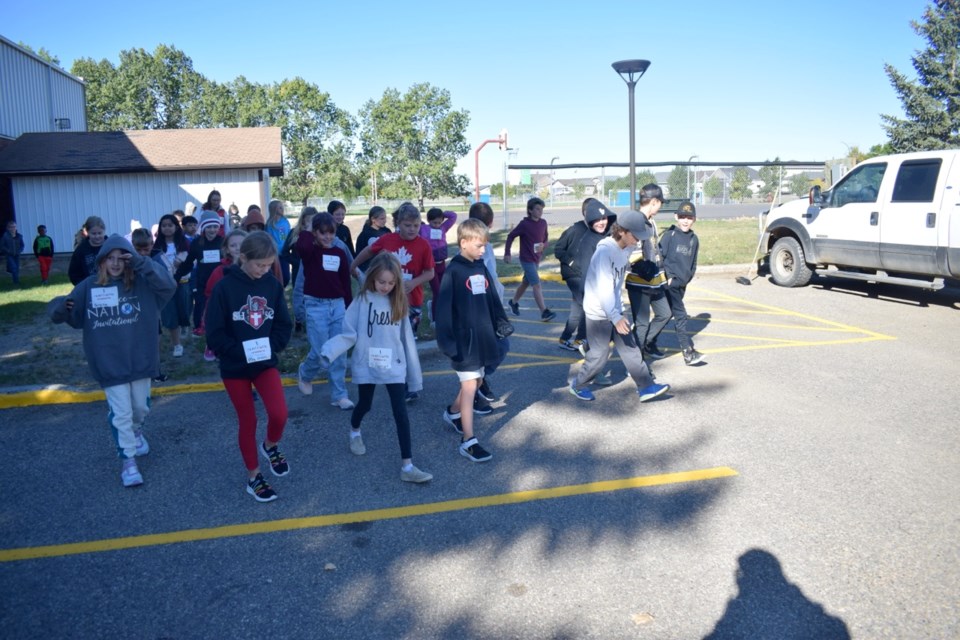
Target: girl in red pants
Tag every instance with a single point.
(248, 324)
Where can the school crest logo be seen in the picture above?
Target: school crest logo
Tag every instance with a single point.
(255, 312)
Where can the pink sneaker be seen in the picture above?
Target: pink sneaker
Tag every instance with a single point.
(209, 355)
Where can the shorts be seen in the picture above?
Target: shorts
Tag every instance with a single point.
(530, 274)
(469, 375)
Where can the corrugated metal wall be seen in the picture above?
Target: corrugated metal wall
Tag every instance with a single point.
(62, 203)
(35, 94)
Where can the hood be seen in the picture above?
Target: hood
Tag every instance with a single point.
(114, 242)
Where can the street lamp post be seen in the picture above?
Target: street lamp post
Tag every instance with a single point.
(688, 176)
(552, 178)
(631, 71)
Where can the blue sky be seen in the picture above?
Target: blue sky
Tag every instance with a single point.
(745, 80)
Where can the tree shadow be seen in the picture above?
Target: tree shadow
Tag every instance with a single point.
(767, 605)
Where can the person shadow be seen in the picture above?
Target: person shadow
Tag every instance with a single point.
(768, 606)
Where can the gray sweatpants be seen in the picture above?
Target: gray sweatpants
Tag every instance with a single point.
(598, 337)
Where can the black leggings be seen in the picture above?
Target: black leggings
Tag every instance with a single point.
(398, 402)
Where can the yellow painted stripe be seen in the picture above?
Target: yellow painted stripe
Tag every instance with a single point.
(517, 279)
(312, 522)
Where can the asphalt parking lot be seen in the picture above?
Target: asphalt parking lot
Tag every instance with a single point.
(801, 484)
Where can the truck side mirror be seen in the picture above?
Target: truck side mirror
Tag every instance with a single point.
(816, 196)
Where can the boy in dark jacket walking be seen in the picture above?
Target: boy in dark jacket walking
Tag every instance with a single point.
(468, 312)
(679, 246)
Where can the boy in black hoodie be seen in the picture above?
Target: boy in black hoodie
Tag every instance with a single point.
(468, 314)
(679, 246)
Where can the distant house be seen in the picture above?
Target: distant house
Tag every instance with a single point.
(58, 179)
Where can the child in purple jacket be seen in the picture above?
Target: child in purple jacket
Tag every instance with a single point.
(435, 233)
(532, 232)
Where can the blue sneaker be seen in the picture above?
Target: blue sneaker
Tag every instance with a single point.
(581, 394)
(652, 391)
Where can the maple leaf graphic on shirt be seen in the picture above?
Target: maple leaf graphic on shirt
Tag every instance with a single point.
(403, 256)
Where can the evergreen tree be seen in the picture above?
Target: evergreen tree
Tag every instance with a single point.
(932, 102)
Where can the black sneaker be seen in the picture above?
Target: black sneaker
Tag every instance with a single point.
(485, 392)
(162, 377)
(692, 356)
(654, 352)
(260, 490)
(514, 307)
(453, 419)
(547, 315)
(480, 406)
(471, 450)
(278, 463)
(412, 396)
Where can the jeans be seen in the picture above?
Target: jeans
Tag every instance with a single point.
(675, 295)
(299, 314)
(641, 301)
(324, 321)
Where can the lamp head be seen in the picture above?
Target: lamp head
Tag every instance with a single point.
(631, 70)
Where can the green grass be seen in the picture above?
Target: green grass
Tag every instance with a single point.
(23, 304)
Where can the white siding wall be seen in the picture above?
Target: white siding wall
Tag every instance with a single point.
(34, 93)
(62, 203)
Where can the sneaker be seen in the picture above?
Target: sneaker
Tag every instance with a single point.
(198, 332)
(143, 448)
(652, 391)
(415, 475)
(357, 447)
(209, 355)
(184, 333)
(130, 474)
(260, 490)
(583, 347)
(480, 406)
(603, 380)
(472, 451)
(161, 377)
(514, 307)
(412, 396)
(581, 394)
(547, 315)
(343, 403)
(485, 392)
(305, 386)
(178, 351)
(654, 352)
(569, 345)
(453, 419)
(278, 462)
(691, 356)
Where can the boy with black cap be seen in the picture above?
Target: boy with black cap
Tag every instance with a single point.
(679, 246)
(603, 308)
(646, 279)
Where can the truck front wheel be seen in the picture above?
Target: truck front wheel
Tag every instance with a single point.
(787, 266)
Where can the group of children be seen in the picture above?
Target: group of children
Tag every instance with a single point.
(247, 322)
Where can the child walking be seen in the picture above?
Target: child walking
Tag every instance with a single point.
(205, 253)
(435, 233)
(170, 249)
(603, 308)
(43, 252)
(83, 262)
(247, 325)
(532, 232)
(326, 294)
(468, 314)
(119, 312)
(11, 246)
(679, 247)
(378, 329)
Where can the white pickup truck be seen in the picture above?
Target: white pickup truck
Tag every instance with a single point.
(891, 219)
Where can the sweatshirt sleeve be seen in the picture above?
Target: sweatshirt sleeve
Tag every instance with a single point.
(608, 293)
(338, 345)
(77, 271)
(157, 277)
(58, 306)
(187, 265)
(216, 316)
(561, 248)
(414, 373)
(449, 219)
(282, 327)
(510, 237)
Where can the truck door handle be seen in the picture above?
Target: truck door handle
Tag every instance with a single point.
(874, 218)
(931, 220)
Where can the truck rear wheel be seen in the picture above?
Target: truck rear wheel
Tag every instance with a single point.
(787, 266)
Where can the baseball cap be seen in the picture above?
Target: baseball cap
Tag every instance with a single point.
(634, 222)
(687, 209)
(651, 191)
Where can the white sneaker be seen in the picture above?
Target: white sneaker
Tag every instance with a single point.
(178, 351)
(357, 447)
(305, 386)
(143, 447)
(415, 475)
(130, 474)
(343, 403)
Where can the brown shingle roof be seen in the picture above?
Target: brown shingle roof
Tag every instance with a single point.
(143, 151)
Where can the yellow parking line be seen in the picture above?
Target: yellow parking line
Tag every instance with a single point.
(777, 326)
(390, 513)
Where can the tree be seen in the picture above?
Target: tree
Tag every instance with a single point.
(770, 176)
(41, 53)
(713, 188)
(103, 101)
(677, 182)
(740, 185)
(932, 102)
(799, 184)
(413, 141)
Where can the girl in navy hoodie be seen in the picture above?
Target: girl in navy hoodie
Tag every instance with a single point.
(247, 325)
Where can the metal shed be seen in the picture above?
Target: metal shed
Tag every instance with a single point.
(58, 179)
